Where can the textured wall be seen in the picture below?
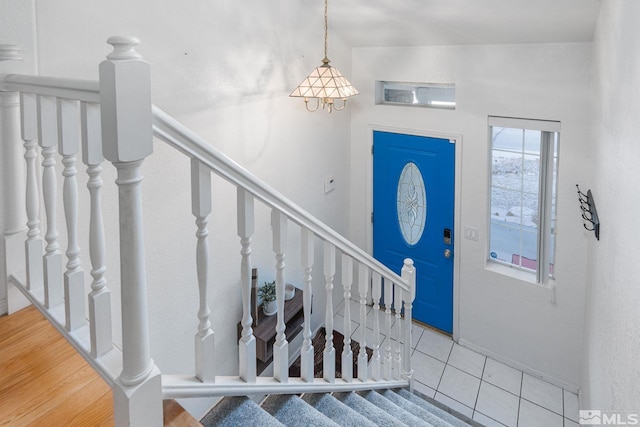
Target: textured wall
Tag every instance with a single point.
(611, 377)
(500, 315)
(225, 69)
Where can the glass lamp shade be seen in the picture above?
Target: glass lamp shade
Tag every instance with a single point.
(326, 84)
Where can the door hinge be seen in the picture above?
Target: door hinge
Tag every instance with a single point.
(372, 149)
(371, 217)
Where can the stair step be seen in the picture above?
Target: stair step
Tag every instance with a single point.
(290, 410)
(416, 410)
(368, 409)
(457, 420)
(238, 411)
(337, 411)
(391, 408)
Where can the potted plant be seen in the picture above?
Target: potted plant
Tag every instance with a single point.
(267, 294)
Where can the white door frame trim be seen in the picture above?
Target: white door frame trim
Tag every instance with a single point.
(457, 140)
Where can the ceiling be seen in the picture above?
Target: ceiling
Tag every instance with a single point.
(367, 23)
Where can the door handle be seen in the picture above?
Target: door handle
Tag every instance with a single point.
(447, 253)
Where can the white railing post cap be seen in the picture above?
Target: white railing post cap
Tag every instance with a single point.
(123, 48)
(10, 52)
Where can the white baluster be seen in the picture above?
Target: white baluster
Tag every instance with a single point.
(409, 275)
(388, 298)
(69, 146)
(48, 138)
(33, 245)
(100, 295)
(363, 286)
(201, 208)
(347, 353)
(247, 343)
(329, 355)
(376, 373)
(281, 346)
(125, 97)
(397, 306)
(307, 352)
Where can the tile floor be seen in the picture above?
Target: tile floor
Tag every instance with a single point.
(481, 388)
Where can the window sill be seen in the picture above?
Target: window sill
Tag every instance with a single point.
(517, 274)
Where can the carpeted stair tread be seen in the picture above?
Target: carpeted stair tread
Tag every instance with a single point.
(439, 412)
(336, 410)
(238, 411)
(414, 409)
(368, 409)
(391, 408)
(290, 410)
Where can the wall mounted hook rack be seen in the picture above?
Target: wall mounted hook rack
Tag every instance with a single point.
(589, 212)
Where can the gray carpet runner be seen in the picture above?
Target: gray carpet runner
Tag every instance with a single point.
(393, 408)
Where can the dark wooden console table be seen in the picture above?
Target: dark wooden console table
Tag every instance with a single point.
(265, 332)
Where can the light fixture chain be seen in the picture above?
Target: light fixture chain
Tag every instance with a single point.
(326, 29)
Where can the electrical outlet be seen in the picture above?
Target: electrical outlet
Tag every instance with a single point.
(471, 233)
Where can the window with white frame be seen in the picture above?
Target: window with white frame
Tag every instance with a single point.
(524, 170)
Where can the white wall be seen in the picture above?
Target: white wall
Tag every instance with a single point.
(610, 376)
(510, 319)
(16, 27)
(225, 70)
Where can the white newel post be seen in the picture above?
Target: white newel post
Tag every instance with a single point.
(281, 346)
(12, 190)
(347, 354)
(201, 208)
(125, 97)
(247, 343)
(329, 354)
(409, 275)
(307, 352)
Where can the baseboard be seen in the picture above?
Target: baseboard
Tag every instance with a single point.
(524, 368)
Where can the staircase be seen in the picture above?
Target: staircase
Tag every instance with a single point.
(397, 407)
(111, 122)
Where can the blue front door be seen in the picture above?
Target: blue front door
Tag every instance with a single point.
(413, 196)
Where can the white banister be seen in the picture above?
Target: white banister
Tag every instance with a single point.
(363, 286)
(201, 208)
(48, 139)
(247, 343)
(125, 96)
(376, 287)
(388, 298)
(347, 354)
(69, 146)
(281, 346)
(33, 245)
(329, 355)
(100, 295)
(409, 275)
(307, 361)
(397, 306)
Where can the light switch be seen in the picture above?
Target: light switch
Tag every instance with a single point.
(471, 233)
(329, 185)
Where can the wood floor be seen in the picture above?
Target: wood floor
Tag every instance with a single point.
(44, 381)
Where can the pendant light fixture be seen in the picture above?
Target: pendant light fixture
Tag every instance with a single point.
(325, 83)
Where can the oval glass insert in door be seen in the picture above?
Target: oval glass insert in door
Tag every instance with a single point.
(411, 203)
